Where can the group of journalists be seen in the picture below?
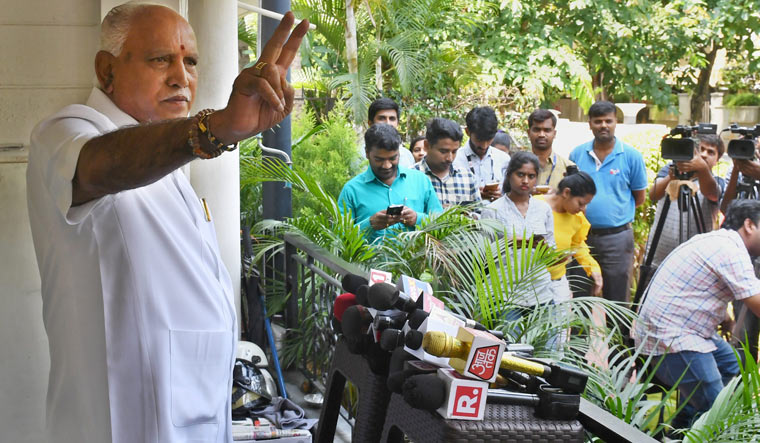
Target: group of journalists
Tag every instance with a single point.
(694, 269)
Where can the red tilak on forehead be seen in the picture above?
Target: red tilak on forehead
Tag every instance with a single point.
(182, 47)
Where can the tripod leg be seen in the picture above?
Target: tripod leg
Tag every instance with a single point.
(646, 268)
(685, 207)
(698, 215)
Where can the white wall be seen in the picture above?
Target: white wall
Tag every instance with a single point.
(47, 50)
(46, 53)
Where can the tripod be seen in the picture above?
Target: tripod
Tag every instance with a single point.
(747, 188)
(688, 203)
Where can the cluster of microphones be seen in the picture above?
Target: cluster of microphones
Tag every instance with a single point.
(441, 361)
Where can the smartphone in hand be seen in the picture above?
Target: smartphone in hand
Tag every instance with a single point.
(491, 187)
(394, 210)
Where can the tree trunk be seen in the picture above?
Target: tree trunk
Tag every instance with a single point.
(378, 64)
(597, 85)
(702, 91)
(379, 61)
(352, 53)
(352, 57)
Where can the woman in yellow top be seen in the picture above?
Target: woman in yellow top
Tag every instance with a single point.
(574, 192)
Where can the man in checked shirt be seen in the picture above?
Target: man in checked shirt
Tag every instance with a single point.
(687, 299)
(452, 184)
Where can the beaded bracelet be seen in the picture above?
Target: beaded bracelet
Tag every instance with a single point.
(200, 126)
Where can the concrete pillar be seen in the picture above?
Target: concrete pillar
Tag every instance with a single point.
(218, 180)
(684, 108)
(629, 111)
(717, 113)
(277, 196)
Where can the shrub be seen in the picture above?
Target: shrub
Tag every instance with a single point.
(328, 152)
(743, 99)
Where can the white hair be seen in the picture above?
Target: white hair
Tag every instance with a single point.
(115, 26)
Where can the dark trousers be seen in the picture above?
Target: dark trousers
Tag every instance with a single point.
(614, 252)
(704, 375)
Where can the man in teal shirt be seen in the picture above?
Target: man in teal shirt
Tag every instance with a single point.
(385, 184)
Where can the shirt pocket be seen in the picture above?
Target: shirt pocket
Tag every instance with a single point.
(200, 375)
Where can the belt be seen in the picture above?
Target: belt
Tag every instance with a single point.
(609, 231)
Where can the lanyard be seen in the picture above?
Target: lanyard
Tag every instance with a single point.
(472, 167)
(554, 163)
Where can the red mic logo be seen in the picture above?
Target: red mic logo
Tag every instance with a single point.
(483, 362)
(378, 276)
(467, 401)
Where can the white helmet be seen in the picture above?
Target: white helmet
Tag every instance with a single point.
(252, 385)
(252, 354)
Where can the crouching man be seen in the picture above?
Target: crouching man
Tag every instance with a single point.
(687, 299)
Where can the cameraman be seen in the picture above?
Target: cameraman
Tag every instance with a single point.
(687, 299)
(748, 168)
(746, 324)
(710, 187)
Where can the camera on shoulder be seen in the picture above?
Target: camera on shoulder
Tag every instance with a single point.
(680, 144)
(743, 148)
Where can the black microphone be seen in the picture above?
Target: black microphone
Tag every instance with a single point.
(416, 318)
(384, 296)
(413, 339)
(388, 319)
(429, 392)
(425, 391)
(550, 402)
(356, 321)
(358, 344)
(377, 358)
(391, 339)
(361, 295)
(396, 372)
(351, 282)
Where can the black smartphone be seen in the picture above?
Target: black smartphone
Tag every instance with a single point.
(394, 210)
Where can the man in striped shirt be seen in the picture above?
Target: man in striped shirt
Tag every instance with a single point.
(687, 299)
(452, 184)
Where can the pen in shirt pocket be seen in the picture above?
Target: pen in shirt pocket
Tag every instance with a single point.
(206, 211)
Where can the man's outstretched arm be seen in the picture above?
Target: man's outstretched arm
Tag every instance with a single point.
(137, 156)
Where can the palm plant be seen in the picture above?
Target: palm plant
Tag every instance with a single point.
(400, 29)
(425, 249)
(626, 392)
(328, 228)
(733, 416)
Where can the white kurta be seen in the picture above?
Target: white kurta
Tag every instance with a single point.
(137, 303)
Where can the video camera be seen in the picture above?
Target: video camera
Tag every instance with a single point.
(743, 148)
(682, 149)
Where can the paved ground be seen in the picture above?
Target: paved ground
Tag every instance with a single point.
(293, 380)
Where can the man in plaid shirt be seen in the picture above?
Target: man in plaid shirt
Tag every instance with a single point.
(687, 299)
(452, 184)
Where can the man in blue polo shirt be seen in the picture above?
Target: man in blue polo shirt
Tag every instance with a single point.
(385, 184)
(620, 176)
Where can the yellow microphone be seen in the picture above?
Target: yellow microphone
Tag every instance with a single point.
(442, 344)
(459, 351)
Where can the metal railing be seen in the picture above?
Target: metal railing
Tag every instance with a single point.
(311, 281)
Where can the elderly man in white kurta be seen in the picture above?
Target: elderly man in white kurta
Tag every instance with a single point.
(137, 304)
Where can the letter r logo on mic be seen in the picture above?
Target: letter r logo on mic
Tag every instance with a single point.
(467, 401)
